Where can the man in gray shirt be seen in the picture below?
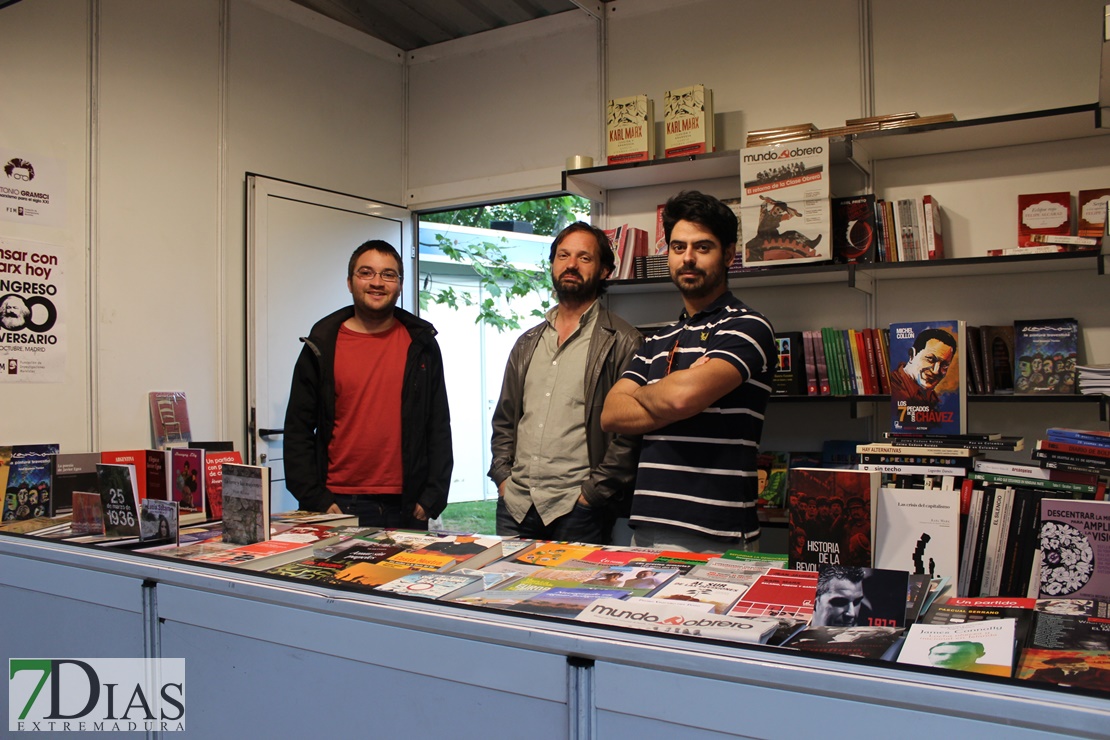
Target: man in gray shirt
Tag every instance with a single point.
(558, 475)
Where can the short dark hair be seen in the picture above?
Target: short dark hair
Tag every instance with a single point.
(831, 573)
(376, 245)
(699, 208)
(604, 247)
(940, 335)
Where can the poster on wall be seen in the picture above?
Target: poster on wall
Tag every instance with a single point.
(32, 312)
(32, 188)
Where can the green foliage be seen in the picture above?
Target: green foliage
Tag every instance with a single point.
(548, 216)
(475, 517)
(499, 279)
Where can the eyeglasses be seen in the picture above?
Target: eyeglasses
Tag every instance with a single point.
(368, 273)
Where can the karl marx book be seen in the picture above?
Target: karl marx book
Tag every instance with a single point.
(1046, 352)
(688, 121)
(246, 503)
(832, 522)
(629, 130)
(928, 389)
(1046, 214)
(169, 417)
(918, 531)
(1075, 549)
(854, 231)
(27, 492)
(119, 498)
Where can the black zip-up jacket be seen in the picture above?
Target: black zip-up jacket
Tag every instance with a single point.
(425, 418)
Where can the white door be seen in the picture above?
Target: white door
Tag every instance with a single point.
(299, 240)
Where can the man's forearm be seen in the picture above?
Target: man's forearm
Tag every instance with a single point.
(625, 414)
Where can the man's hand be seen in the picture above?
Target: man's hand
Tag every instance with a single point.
(582, 500)
(334, 509)
(419, 513)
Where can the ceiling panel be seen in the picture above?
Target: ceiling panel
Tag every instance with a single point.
(412, 24)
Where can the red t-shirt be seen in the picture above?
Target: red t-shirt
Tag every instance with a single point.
(364, 455)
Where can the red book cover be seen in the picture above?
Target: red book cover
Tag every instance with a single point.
(1043, 213)
(129, 457)
(214, 479)
(1074, 449)
(1092, 212)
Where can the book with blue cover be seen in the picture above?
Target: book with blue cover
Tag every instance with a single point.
(928, 389)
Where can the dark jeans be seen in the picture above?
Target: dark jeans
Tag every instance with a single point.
(379, 510)
(583, 524)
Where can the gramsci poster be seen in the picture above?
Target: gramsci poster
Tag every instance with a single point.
(32, 312)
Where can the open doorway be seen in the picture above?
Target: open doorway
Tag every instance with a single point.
(484, 279)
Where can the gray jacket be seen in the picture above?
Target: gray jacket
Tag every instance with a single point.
(613, 457)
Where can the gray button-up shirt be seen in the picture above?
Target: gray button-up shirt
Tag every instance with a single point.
(552, 460)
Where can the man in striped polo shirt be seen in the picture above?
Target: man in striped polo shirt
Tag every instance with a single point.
(697, 391)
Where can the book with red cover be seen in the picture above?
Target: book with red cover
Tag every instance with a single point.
(1091, 212)
(214, 477)
(833, 521)
(1043, 213)
(932, 233)
(138, 458)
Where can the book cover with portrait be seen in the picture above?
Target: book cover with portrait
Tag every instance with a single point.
(1045, 354)
(832, 521)
(928, 390)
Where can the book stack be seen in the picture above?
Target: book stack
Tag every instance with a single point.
(651, 266)
(1076, 450)
(628, 243)
(1045, 223)
(851, 127)
(1094, 379)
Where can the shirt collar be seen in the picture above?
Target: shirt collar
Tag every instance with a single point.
(722, 300)
(586, 317)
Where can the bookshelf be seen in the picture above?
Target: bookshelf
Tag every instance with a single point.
(1030, 145)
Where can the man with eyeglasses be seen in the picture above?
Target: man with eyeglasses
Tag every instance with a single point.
(697, 392)
(367, 429)
(558, 475)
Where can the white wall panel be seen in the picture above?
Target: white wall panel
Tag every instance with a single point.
(795, 61)
(985, 58)
(43, 84)
(502, 110)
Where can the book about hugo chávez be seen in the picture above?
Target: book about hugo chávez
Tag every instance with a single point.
(1046, 352)
(928, 391)
(1075, 549)
(630, 130)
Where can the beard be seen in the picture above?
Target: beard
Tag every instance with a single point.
(575, 290)
(703, 284)
(13, 321)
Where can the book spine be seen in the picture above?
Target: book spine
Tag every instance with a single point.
(970, 541)
(1075, 437)
(1034, 483)
(812, 385)
(952, 462)
(1074, 449)
(824, 388)
(847, 347)
(859, 359)
(912, 469)
(1064, 461)
(978, 562)
(1015, 536)
(881, 449)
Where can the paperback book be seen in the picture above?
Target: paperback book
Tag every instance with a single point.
(918, 531)
(69, 472)
(630, 130)
(1075, 549)
(1046, 351)
(688, 126)
(928, 389)
(246, 503)
(158, 521)
(985, 647)
(677, 619)
(169, 417)
(27, 492)
(854, 231)
(187, 480)
(1044, 214)
(831, 522)
(119, 499)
